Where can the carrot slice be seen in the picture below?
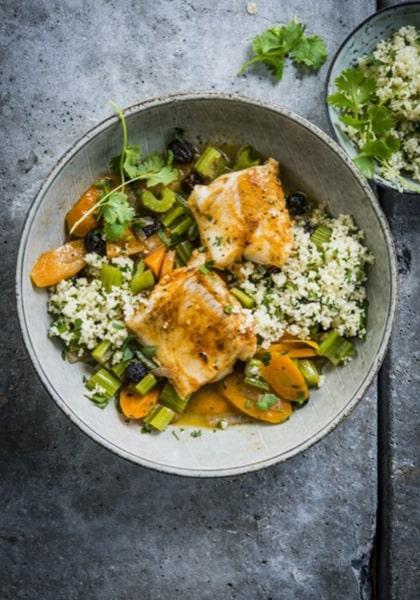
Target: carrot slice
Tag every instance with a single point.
(208, 401)
(61, 263)
(85, 203)
(168, 263)
(129, 244)
(244, 398)
(289, 341)
(301, 352)
(135, 406)
(285, 378)
(155, 259)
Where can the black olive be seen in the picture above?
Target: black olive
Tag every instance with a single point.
(190, 181)
(94, 242)
(183, 151)
(152, 228)
(297, 204)
(135, 372)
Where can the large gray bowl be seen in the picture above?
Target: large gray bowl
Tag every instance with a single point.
(310, 161)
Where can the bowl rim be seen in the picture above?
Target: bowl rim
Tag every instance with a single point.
(75, 418)
(388, 185)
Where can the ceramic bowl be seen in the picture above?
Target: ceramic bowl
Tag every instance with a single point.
(360, 42)
(310, 161)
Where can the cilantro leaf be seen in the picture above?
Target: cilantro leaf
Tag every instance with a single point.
(156, 170)
(355, 90)
(354, 121)
(381, 149)
(311, 51)
(276, 43)
(366, 164)
(117, 215)
(381, 119)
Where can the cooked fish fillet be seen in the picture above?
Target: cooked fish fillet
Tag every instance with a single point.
(244, 214)
(196, 340)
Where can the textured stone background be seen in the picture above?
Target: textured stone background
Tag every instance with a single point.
(78, 522)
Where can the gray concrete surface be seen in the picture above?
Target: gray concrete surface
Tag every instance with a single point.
(76, 521)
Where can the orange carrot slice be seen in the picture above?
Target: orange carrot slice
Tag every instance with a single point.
(285, 378)
(62, 263)
(155, 259)
(85, 203)
(244, 398)
(168, 263)
(135, 406)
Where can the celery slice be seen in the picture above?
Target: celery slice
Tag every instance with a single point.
(145, 385)
(252, 367)
(321, 235)
(246, 158)
(182, 227)
(184, 251)
(142, 281)
(211, 163)
(169, 397)
(172, 216)
(309, 371)
(119, 369)
(193, 232)
(149, 351)
(336, 348)
(159, 417)
(111, 276)
(257, 382)
(246, 300)
(159, 205)
(106, 381)
(102, 352)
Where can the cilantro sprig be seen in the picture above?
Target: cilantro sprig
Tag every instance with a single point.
(373, 122)
(113, 206)
(274, 45)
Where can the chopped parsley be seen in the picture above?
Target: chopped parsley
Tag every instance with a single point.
(196, 433)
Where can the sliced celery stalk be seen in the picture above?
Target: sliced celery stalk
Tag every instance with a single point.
(172, 216)
(321, 235)
(336, 348)
(252, 367)
(257, 382)
(246, 300)
(159, 417)
(309, 371)
(102, 352)
(164, 238)
(106, 381)
(150, 364)
(211, 163)
(119, 369)
(145, 385)
(184, 251)
(169, 397)
(182, 227)
(246, 158)
(159, 205)
(110, 277)
(140, 266)
(193, 232)
(142, 281)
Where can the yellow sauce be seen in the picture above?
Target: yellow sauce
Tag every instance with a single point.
(207, 408)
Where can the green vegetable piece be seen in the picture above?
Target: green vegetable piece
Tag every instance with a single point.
(310, 51)
(110, 276)
(355, 91)
(252, 367)
(321, 235)
(211, 163)
(106, 381)
(145, 385)
(142, 281)
(102, 352)
(193, 232)
(246, 158)
(245, 299)
(336, 348)
(149, 351)
(309, 371)
(184, 251)
(119, 369)
(159, 417)
(172, 216)
(148, 362)
(181, 227)
(158, 205)
(266, 401)
(169, 397)
(257, 382)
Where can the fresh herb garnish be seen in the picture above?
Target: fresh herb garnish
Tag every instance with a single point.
(196, 433)
(117, 215)
(228, 309)
(276, 43)
(360, 110)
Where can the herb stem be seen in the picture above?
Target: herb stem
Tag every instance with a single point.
(125, 139)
